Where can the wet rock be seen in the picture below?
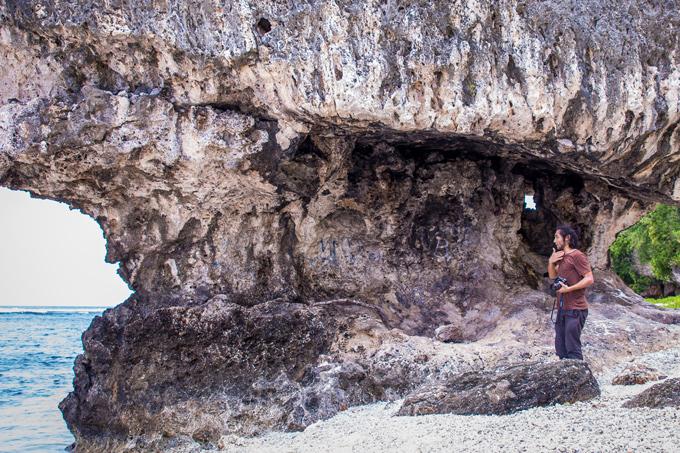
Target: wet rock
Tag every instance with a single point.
(505, 391)
(664, 394)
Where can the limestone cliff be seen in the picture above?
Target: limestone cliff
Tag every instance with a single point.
(306, 197)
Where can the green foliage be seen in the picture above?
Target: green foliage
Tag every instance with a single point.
(621, 254)
(667, 302)
(659, 240)
(656, 238)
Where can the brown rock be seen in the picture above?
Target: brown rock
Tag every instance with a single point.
(450, 333)
(664, 394)
(637, 374)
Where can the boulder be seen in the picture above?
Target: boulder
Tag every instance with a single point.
(505, 391)
(664, 394)
(449, 333)
(637, 373)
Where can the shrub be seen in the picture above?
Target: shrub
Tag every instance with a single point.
(656, 239)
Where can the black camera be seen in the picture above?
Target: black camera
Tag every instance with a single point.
(555, 285)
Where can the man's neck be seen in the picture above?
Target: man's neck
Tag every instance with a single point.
(567, 249)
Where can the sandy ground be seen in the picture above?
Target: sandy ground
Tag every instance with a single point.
(594, 426)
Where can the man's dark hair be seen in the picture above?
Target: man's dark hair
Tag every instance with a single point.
(566, 230)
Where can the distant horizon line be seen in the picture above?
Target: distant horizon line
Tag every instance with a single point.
(60, 306)
(8, 310)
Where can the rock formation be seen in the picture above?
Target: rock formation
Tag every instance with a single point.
(505, 391)
(302, 194)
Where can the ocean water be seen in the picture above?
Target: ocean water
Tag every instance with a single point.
(38, 346)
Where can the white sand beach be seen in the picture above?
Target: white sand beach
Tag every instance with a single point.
(599, 425)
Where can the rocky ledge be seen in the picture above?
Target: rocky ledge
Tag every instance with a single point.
(306, 198)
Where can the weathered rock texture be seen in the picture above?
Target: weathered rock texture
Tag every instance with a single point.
(505, 391)
(301, 194)
(664, 394)
(637, 373)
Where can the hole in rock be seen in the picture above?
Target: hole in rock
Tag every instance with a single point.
(264, 26)
(439, 193)
(431, 212)
(53, 281)
(647, 255)
(53, 256)
(529, 203)
(562, 200)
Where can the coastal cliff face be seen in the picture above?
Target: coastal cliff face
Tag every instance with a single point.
(320, 204)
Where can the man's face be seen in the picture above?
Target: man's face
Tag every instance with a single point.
(558, 241)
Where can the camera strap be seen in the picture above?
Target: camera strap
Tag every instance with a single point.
(552, 312)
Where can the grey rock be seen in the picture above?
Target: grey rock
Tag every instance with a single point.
(505, 391)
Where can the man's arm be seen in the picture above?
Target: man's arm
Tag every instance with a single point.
(585, 282)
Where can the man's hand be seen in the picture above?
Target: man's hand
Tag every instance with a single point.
(586, 281)
(564, 289)
(556, 257)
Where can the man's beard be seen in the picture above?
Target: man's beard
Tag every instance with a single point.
(558, 248)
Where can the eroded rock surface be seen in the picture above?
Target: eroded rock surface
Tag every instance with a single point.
(637, 373)
(310, 199)
(505, 391)
(663, 394)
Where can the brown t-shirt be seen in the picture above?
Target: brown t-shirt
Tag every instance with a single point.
(573, 267)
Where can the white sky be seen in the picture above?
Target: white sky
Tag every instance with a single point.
(529, 202)
(51, 255)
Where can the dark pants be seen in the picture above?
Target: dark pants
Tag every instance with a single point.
(568, 333)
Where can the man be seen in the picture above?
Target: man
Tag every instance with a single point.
(571, 264)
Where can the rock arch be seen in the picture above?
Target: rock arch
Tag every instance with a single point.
(302, 210)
